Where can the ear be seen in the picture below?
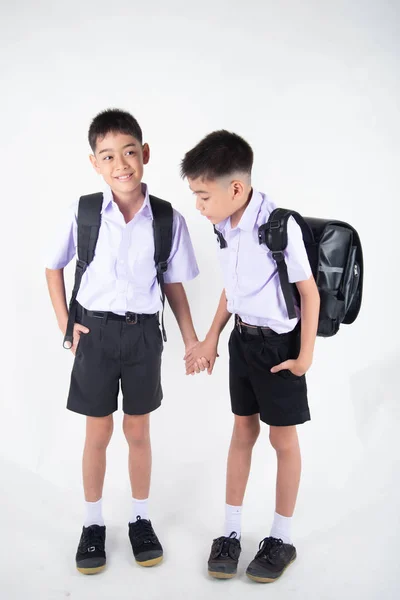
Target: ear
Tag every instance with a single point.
(237, 188)
(95, 165)
(146, 153)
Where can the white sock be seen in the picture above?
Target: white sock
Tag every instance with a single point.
(94, 513)
(281, 528)
(139, 509)
(233, 520)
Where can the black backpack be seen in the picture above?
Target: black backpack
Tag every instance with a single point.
(89, 220)
(335, 254)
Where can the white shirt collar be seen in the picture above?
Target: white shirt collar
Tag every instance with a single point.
(109, 199)
(249, 217)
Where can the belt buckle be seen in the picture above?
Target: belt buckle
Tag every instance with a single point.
(131, 318)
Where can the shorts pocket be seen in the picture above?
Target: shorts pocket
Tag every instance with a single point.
(81, 343)
(287, 374)
(285, 350)
(156, 332)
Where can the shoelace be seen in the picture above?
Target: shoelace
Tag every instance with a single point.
(226, 543)
(143, 532)
(91, 538)
(268, 547)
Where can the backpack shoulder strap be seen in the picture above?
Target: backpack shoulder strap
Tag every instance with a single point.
(274, 235)
(274, 232)
(162, 229)
(221, 240)
(89, 219)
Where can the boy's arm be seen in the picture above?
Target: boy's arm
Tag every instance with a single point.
(310, 302)
(209, 348)
(179, 304)
(56, 286)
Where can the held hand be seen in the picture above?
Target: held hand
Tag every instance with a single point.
(191, 345)
(201, 364)
(78, 331)
(297, 367)
(201, 357)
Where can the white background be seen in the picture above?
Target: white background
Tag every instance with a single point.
(313, 86)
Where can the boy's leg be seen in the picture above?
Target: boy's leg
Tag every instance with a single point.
(90, 556)
(226, 549)
(93, 392)
(277, 551)
(286, 444)
(146, 547)
(142, 394)
(137, 433)
(245, 433)
(98, 434)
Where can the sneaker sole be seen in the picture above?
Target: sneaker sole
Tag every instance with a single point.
(91, 571)
(218, 575)
(150, 563)
(269, 579)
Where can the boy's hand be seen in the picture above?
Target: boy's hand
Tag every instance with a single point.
(201, 357)
(190, 345)
(78, 331)
(201, 364)
(298, 367)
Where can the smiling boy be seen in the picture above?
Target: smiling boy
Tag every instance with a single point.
(117, 339)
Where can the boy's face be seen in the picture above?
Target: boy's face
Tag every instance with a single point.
(119, 158)
(217, 199)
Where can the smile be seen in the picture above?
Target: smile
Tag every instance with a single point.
(124, 177)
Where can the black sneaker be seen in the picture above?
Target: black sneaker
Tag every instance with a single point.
(224, 557)
(272, 559)
(91, 556)
(146, 547)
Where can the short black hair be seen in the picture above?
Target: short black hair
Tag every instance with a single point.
(219, 154)
(113, 119)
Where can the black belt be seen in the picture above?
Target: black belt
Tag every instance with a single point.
(129, 317)
(253, 329)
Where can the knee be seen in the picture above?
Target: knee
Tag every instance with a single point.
(283, 439)
(246, 431)
(99, 431)
(136, 429)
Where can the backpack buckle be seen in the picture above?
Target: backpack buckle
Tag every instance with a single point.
(274, 224)
(81, 265)
(278, 256)
(162, 267)
(131, 318)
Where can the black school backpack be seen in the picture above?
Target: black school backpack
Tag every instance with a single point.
(335, 254)
(89, 220)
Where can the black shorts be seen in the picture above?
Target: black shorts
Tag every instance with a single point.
(280, 398)
(115, 351)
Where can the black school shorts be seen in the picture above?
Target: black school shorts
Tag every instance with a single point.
(280, 398)
(116, 353)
